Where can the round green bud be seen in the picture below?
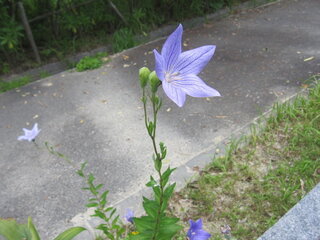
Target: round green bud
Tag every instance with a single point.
(154, 82)
(144, 76)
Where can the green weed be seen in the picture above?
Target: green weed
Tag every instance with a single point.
(6, 86)
(44, 74)
(90, 62)
(122, 39)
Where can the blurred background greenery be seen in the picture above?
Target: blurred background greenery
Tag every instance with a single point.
(64, 27)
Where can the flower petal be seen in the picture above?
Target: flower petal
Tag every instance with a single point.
(35, 131)
(175, 94)
(129, 215)
(159, 68)
(193, 61)
(201, 235)
(35, 127)
(195, 87)
(197, 224)
(172, 48)
(20, 138)
(26, 131)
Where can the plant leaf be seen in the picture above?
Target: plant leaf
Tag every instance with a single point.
(70, 233)
(33, 230)
(11, 230)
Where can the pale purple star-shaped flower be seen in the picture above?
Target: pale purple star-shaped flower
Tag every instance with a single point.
(196, 232)
(178, 70)
(30, 135)
(129, 215)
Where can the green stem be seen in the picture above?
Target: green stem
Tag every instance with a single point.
(154, 237)
(153, 134)
(60, 155)
(157, 156)
(154, 129)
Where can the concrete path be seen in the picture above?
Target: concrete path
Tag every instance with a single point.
(96, 116)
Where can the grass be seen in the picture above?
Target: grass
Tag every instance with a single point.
(6, 86)
(123, 39)
(44, 74)
(91, 62)
(251, 187)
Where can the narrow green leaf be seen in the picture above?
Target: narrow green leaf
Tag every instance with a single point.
(157, 193)
(99, 186)
(103, 203)
(103, 227)
(70, 233)
(163, 150)
(112, 212)
(108, 209)
(152, 182)
(93, 191)
(150, 128)
(99, 214)
(157, 163)
(91, 178)
(115, 220)
(169, 190)
(33, 230)
(94, 204)
(104, 194)
(110, 236)
(120, 231)
(166, 175)
(11, 230)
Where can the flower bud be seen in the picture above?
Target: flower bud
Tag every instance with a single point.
(144, 76)
(154, 82)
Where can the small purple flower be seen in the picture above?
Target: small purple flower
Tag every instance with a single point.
(30, 135)
(196, 232)
(129, 215)
(178, 70)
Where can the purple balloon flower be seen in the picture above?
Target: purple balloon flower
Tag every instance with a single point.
(196, 232)
(129, 215)
(30, 135)
(178, 70)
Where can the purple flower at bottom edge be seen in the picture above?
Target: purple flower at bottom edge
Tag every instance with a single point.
(196, 232)
(129, 215)
(30, 135)
(178, 70)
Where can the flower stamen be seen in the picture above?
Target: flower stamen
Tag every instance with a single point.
(171, 77)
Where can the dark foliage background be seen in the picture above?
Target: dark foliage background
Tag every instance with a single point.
(70, 26)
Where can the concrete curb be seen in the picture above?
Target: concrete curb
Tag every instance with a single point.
(301, 222)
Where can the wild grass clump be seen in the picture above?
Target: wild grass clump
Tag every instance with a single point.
(6, 86)
(91, 62)
(123, 39)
